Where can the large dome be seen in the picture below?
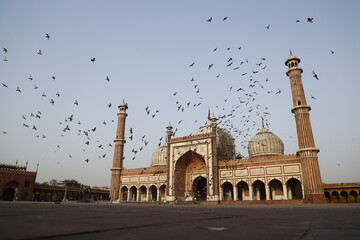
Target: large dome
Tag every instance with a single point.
(225, 143)
(265, 143)
(159, 156)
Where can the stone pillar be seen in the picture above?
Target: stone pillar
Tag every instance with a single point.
(148, 195)
(138, 195)
(236, 197)
(289, 194)
(128, 195)
(221, 194)
(285, 192)
(158, 195)
(267, 192)
(251, 193)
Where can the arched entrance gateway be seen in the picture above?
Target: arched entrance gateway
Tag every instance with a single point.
(190, 177)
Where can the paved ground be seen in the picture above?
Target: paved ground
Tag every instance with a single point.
(127, 221)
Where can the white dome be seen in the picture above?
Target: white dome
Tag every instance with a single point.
(159, 157)
(265, 143)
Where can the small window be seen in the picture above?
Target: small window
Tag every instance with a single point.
(299, 102)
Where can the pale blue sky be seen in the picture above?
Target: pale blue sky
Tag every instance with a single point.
(146, 47)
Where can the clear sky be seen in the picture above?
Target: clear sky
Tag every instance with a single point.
(146, 49)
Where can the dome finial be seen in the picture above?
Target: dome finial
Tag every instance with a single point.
(209, 113)
(290, 52)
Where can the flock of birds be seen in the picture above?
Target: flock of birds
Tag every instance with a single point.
(240, 102)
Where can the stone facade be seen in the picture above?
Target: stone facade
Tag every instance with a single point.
(16, 183)
(203, 166)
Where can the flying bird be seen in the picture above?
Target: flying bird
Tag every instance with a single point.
(224, 18)
(315, 75)
(4, 85)
(47, 36)
(107, 78)
(5, 50)
(39, 52)
(18, 89)
(310, 20)
(192, 64)
(268, 26)
(92, 60)
(209, 20)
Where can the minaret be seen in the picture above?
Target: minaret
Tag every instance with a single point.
(311, 178)
(118, 152)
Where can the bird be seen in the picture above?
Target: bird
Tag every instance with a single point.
(192, 64)
(35, 87)
(18, 89)
(43, 95)
(53, 77)
(224, 18)
(5, 59)
(210, 66)
(5, 50)
(76, 103)
(310, 20)
(25, 125)
(107, 78)
(31, 78)
(92, 60)
(58, 94)
(315, 75)
(268, 26)
(332, 52)
(87, 160)
(47, 36)
(109, 105)
(209, 20)
(39, 52)
(278, 92)
(313, 97)
(4, 85)
(297, 21)
(214, 49)
(52, 101)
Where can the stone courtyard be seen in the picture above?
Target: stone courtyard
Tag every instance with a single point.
(28, 220)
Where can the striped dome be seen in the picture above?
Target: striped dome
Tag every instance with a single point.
(265, 143)
(159, 157)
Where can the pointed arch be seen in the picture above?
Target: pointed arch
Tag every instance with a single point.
(228, 192)
(243, 190)
(294, 188)
(276, 190)
(259, 190)
(188, 167)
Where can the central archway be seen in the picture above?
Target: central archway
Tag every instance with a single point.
(200, 188)
(189, 167)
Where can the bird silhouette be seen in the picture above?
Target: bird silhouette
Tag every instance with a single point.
(18, 89)
(310, 20)
(315, 75)
(4, 85)
(5, 50)
(39, 52)
(192, 64)
(209, 20)
(92, 60)
(107, 78)
(224, 18)
(47, 36)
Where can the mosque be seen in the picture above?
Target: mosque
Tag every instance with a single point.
(201, 167)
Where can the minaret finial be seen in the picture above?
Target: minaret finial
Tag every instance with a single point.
(209, 113)
(290, 52)
(262, 122)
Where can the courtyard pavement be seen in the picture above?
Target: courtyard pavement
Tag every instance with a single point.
(31, 220)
